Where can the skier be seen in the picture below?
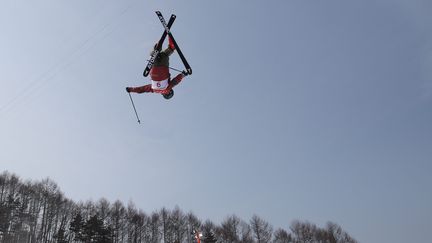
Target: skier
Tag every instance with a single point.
(161, 81)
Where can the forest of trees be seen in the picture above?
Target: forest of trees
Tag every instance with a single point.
(39, 212)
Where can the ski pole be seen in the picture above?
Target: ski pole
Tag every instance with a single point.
(133, 105)
(175, 69)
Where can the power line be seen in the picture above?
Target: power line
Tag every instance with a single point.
(77, 52)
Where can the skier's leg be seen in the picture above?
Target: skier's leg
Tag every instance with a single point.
(170, 49)
(162, 59)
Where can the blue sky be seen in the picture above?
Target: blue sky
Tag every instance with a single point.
(311, 110)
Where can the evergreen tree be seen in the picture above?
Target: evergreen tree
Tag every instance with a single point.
(95, 231)
(208, 236)
(77, 226)
(61, 237)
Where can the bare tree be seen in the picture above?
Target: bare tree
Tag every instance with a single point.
(308, 232)
(164, 216)
(209, 230)
(136, 224)
(118, 221)
(245, 232)
(139, 222)
(51, 199)
(304, 231)
(103, 209)
(154, 225)
(9, 204)
(282, 236)
(229, 230)
(262, 229)
(178, 224)
(193, 223)
(337, 235)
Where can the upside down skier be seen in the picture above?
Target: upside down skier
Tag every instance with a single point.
(161, 81)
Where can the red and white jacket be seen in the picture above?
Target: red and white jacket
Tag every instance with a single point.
(160, 81)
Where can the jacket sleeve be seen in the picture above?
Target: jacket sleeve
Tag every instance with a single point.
(176, 80)
(143, 89)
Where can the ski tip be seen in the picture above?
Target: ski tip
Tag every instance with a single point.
(146, 73)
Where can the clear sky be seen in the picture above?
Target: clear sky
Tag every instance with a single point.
(310, 110)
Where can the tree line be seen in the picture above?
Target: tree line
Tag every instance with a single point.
(38, 211)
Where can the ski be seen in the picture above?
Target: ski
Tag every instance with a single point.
(160, 43)
(167, 30)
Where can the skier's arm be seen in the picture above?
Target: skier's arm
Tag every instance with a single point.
(175, 81)
(143, 89)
